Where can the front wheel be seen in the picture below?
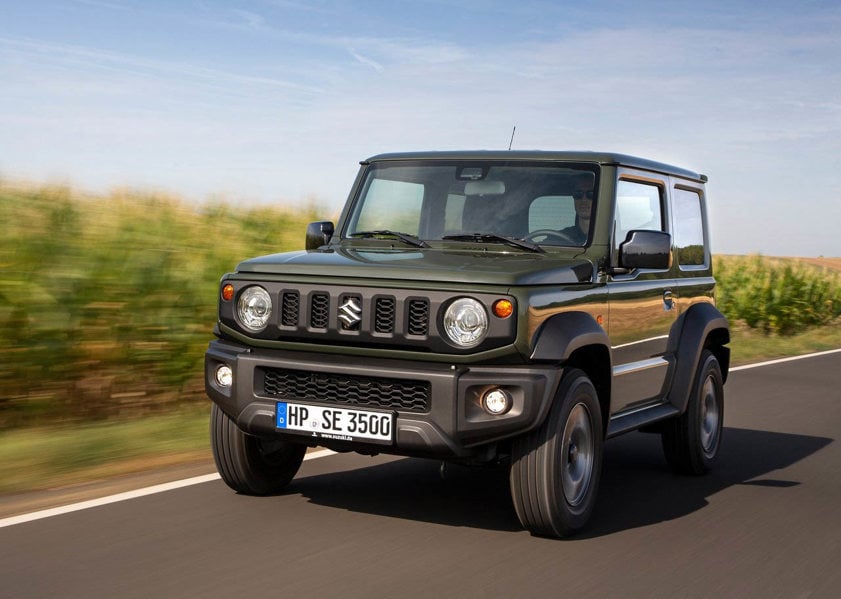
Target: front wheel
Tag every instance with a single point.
(555, 469)
(248, 464)
(691, 442)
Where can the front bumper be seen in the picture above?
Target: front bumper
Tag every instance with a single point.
(449, 424)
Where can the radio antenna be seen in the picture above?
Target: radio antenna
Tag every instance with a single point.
(510, 143)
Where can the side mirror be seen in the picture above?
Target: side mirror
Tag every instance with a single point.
(318, 234)
(646, 249)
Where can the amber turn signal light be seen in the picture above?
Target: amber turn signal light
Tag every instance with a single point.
(228, 292)
(503, 308)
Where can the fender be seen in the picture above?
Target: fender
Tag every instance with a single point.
(560, 335)
(698, 325)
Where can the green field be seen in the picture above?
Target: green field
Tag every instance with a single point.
(107, 304)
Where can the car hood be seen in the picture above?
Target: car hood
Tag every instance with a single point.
(428, 264)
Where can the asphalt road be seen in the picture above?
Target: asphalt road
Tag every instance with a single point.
(766, 523)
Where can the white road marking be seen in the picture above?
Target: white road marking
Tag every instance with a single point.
(197, 480)
(162, 488)
(782, 360)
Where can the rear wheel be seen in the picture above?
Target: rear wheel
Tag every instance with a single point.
(555, 469)
(691, 442)
(248, 464)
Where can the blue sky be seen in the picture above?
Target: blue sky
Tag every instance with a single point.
(259, 101)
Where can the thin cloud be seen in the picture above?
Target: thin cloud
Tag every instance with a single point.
(367, 61)
(301, 6)
(105, 4)
(104, 59)
(250, 20)
(400, 50)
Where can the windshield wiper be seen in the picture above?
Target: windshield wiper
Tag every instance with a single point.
(494, 238)
(404, 237)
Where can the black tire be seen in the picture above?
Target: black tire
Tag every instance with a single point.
(555, 469)
(248, 464)
(692, 441)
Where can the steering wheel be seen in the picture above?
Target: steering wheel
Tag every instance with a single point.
(546, 234)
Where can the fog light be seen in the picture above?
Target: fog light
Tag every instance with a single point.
(224, 376)
(496, 402)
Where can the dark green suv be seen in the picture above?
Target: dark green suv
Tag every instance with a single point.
(512, 308)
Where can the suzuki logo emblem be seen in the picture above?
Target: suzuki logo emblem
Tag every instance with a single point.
(350, 313)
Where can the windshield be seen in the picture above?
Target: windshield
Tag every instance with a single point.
(474, 201)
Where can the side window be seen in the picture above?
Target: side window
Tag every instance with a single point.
(638, 206)
(689, 227)
(551, 212)
(393, 205)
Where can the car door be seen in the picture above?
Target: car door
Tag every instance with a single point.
(642, 304)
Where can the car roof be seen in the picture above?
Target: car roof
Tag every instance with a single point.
(604, 158)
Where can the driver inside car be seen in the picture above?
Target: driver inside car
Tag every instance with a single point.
(582, 195)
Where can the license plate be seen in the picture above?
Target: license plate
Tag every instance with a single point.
(340, 424)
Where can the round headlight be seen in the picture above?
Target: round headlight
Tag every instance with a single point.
(466, 322)
(254, 308)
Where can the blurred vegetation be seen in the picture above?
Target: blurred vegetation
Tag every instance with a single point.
(42, 458)
(776, 295)
(107, 302)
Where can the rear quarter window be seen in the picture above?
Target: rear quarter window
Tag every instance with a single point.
(689, 227)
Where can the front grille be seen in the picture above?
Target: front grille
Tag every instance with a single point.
(290, 305)
(376, 392)
(418, 317)
(384, 315)
(319, 311)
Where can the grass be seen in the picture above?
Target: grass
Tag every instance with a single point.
(749, 345)
(43, 458)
